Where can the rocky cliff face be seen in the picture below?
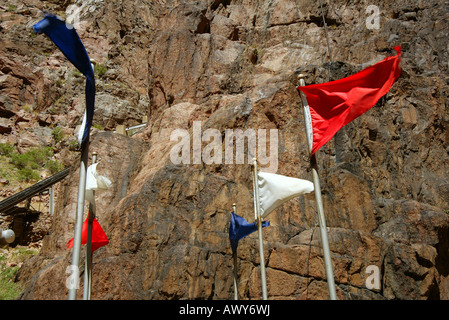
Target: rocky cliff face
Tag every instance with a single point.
(234, 65)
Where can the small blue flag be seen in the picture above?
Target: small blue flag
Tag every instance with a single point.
(240, 228)
(68, 41)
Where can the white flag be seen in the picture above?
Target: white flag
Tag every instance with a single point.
(95, 182)
(275, 189)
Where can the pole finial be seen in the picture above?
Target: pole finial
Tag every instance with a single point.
(94, 157)
(254, 163)
(301, 79)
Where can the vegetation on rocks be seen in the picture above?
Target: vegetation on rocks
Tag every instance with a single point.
(11, 259)
(27, 166)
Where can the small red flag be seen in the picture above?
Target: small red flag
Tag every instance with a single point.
(334, 104)
(99, 238)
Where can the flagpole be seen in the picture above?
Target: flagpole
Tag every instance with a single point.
(259, 228)
(79, 220)
(88, 261)
(236, 292)
(318, 199)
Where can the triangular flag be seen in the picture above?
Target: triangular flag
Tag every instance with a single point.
(99, 238)
(95, 182)
(275, 189)
(240, 228)
(68, 41)
(334, 104)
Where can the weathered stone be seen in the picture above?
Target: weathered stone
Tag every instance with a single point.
(27, 140)
(110, 111)
(5, 126)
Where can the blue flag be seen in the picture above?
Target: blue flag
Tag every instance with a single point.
(68, 41)
(240, 228)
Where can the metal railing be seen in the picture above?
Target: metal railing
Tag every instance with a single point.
(31, 191)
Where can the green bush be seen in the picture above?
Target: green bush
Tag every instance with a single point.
(34, 158)
(11, 260)
(8, 289)
(57, 134)
(26, 166)
(27, 174)
(100, 69)
(11, 7)
(20, 161)
(54, 166)
(6, 149)
(98, 126)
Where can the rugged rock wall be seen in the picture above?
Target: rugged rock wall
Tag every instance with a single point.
(234, 65)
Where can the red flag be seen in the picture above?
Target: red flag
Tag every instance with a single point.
(334, 104)
(99, 238)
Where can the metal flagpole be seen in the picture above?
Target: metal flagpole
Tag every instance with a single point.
(51, 204)
(317, 191)
(259, 227)
(79, 221)
(236, 292)
(88, 262)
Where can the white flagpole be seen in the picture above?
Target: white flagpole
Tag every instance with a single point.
(236, 292)
(259, 227)
(79, 221)
(88, 261)
(317, 189)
